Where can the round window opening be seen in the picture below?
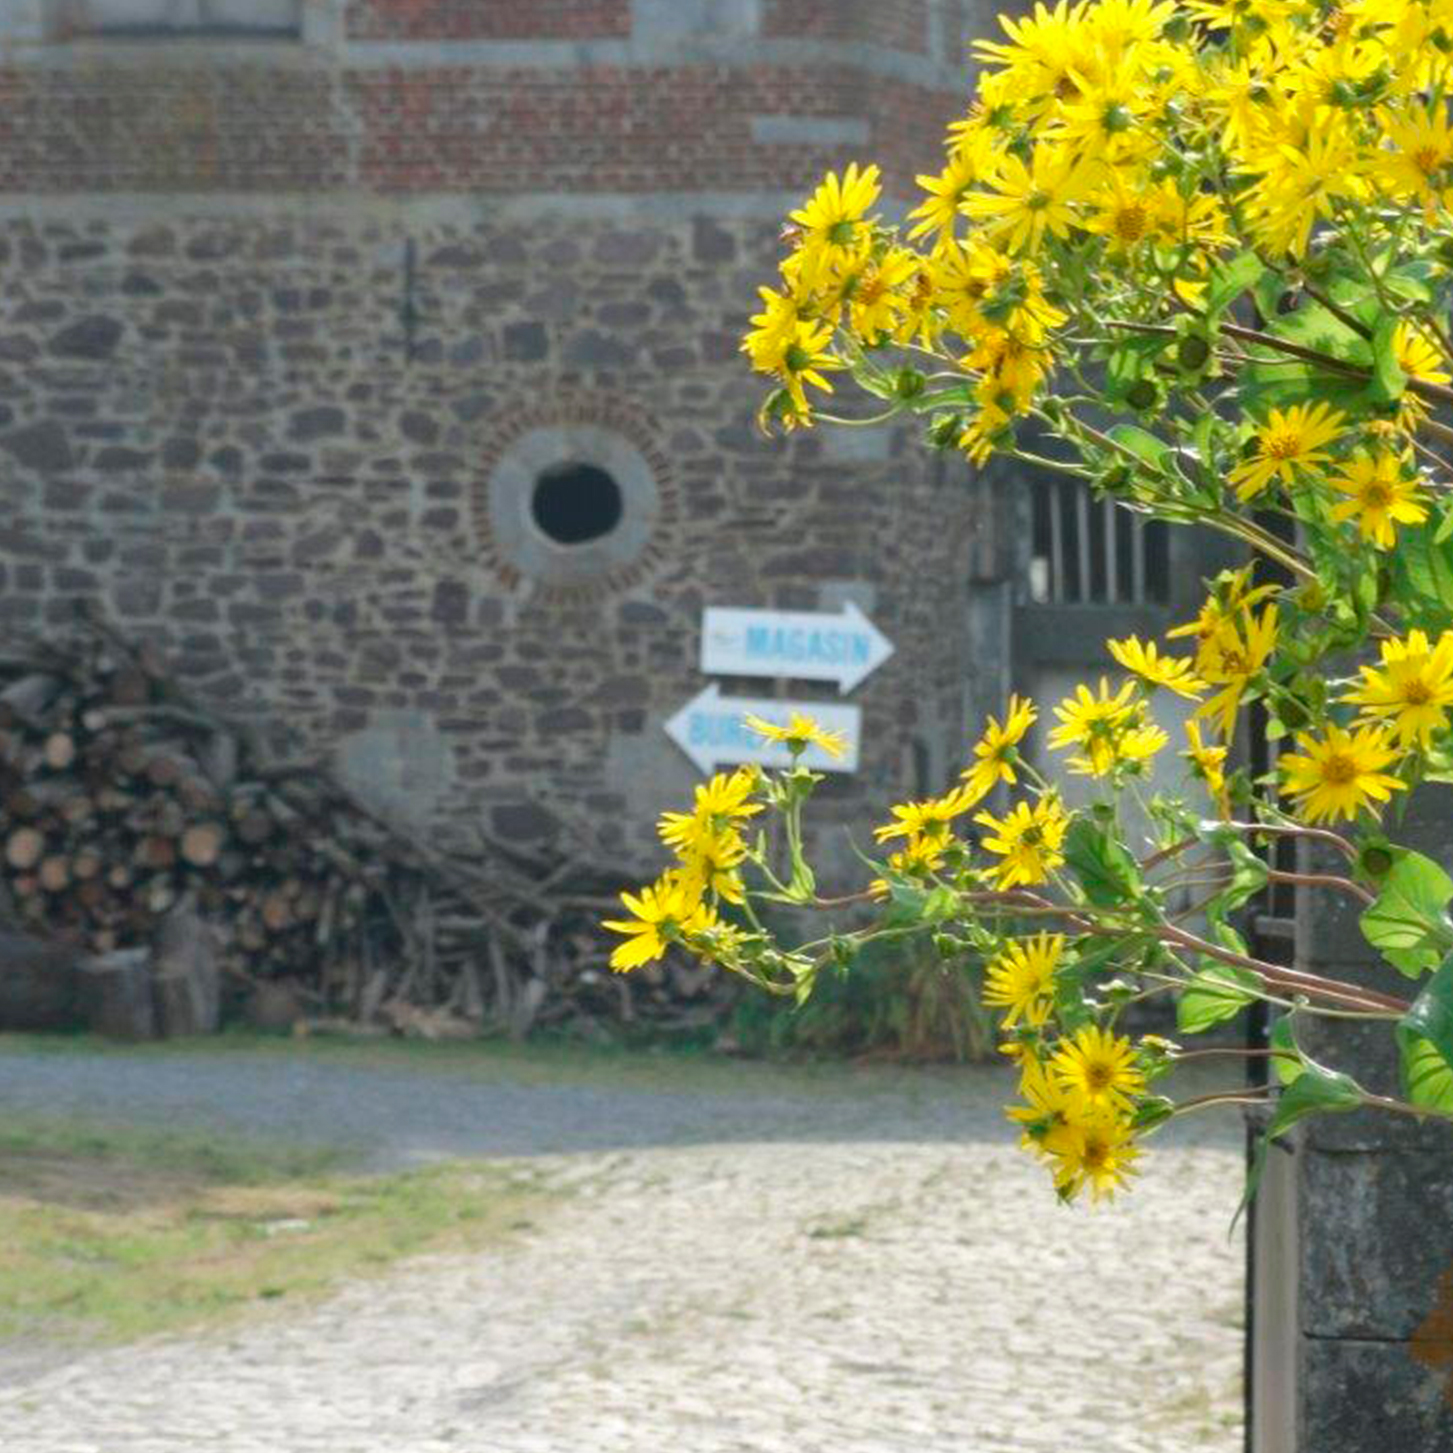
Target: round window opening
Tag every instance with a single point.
(573, 504)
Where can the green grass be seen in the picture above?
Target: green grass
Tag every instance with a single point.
(541, 1061)
(109, 1234)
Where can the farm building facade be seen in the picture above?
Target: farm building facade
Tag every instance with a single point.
(378, 359)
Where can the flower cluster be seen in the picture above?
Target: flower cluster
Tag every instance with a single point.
(1198, 257)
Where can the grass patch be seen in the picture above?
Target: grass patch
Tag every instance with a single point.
(540, 1061)
(110, 1234)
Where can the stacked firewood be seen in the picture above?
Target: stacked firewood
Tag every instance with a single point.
(126, 804)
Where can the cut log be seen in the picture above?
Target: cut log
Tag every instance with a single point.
(55, 873)
(202, 844)
(116, 994)
(187, 975)
(156, 852)
(24, 848)
(59, 751)
(38, 984)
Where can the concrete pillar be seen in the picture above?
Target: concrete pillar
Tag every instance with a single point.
(1355, 1226)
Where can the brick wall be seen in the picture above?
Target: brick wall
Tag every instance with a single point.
(486, 19)
(255, 128)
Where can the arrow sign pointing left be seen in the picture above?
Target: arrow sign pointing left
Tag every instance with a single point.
(710, 730)
(805, 644)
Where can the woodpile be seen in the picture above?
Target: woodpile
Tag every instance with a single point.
(183, 866)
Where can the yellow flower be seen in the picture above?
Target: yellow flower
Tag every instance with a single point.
(1098, 1070)
(1096, 1149)
(1301, 183)
(718, 804)
(1029, 840)
(1208, 763)
(1028, 201)
(1233, 593)
(800, 732)
(1417, 356)
(1420, 359)
(711, 865)
(919, 857)
(876, 301)
(930, 819)
(1421, 149)
(1175, 673)
(1046, 1111)
(1379, 497)
(1229, 659)
(661, 913)
(1135, 746)
(1095, 723)
(1020, 980)
(1287, 442)
(997, 750)
(1339, 775)
(832, 221)
(1414, 688)
(940, 209)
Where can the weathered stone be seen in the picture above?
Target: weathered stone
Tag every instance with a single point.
(711, 242)
(117, 459)
(95, 337)
(593, 349)
(321, 422)
(523, 822)
(525, 342)
(418, 427)
(1358, 1396)
(44, 445)
(450, 605)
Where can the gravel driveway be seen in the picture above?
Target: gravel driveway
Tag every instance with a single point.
(863, 1265)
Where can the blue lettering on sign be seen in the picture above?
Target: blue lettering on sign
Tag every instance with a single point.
(790, 644)
(706, 729)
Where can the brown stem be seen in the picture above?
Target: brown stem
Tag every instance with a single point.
(1435, 392)
(1174, 850)
(1317, 834)
(1323, 880)
(1276, 976)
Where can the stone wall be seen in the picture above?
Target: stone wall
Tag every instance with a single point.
(282, 323)
(269, 444)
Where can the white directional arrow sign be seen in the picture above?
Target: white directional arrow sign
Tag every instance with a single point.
(710, 730)
(807, 645)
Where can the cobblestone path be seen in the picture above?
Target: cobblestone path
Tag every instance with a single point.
(877, 1271)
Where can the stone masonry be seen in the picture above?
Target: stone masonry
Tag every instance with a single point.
(276, 312)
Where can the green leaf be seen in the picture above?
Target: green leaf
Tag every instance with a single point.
(1315, 1091)
(1425, 569)
(1278, 382)
(1218, 992)
(1427, 1076)
(1141, 443)
(1388, 377)
(1248, 878)
(1425, 1038)
(1281, 1039)
(1130, 360)
(1230, 279)
(1409, 922)
(1104, 869)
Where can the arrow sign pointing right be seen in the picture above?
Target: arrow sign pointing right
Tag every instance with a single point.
(710, 730)
(808, 645)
